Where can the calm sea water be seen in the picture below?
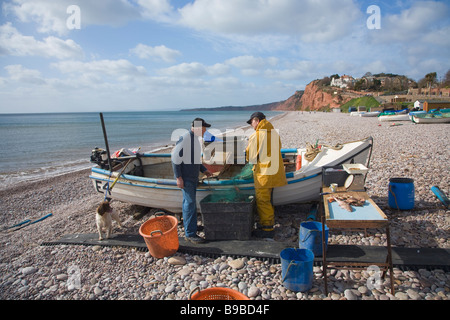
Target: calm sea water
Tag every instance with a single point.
(45, 144)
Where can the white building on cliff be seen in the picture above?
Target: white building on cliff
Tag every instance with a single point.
(342, 82)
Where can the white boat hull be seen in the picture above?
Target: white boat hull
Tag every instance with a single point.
(437, 119)
(394, 117)
(370, 114)
(303, 185)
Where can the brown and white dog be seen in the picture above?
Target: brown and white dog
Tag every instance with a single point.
(103, 218)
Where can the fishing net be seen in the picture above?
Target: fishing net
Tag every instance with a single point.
(227, 196)
(233, 194)
(245, 173)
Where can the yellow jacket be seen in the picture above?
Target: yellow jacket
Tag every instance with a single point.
(264, 151)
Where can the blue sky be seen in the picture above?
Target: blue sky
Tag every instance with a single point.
(120, 55)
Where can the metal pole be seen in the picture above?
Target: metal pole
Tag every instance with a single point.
(106, 142)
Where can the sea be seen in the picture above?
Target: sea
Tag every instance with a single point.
(41, 145)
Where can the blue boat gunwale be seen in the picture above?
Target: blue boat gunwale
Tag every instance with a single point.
(231, 182)
(168, 155)
(172, 182)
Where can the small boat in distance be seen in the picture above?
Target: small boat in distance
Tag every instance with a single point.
(370, 114)
(431, 118)
(400, 115)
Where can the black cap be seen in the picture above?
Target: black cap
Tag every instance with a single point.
(258, 115)
(204, 123)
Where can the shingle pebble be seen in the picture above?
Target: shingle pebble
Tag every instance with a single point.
(29, 271)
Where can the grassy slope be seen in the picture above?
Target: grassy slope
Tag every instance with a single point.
(368, 102)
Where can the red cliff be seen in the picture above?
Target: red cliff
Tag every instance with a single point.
(315, 97)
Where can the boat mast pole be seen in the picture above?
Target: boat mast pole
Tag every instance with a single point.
(106, 142)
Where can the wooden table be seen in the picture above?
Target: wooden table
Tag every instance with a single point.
(366, 217)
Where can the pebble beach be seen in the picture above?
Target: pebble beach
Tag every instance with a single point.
(30, 271)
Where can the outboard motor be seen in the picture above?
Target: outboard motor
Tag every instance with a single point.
(100, 157)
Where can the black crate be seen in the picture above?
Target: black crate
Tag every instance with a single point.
(227, 220)
(335, 174)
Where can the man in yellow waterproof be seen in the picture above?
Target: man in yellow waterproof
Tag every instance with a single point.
(264, 152)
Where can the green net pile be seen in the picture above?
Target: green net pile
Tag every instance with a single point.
(228, 196)
(245, 174)
(233, 194)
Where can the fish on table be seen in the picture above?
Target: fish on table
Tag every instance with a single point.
(346, 202)
(344, 205)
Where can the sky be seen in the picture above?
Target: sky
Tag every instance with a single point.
(152, 55)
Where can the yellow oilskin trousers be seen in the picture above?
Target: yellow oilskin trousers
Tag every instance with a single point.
(266, 212)
(264, 151)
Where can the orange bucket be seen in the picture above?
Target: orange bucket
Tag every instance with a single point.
(161, 236)
(217, 294)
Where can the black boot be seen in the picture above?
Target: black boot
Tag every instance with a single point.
(260, 233)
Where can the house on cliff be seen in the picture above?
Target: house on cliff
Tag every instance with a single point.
(342, 82)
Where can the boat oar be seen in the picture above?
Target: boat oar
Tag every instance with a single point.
(32, 222)
(122, 171)
(16, 225)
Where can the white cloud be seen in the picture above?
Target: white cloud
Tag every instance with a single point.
(421, 20)
(51, 16)
(438, 37)
(160, 10)
(251, 62)
(19, 73)
(310, 20)
(295, 71)
(376, 66)
(194, 69)
(158, 53)
(12, 42)
(121, 70)
(252, 66)
(415, 41)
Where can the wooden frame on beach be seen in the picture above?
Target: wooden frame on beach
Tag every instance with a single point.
(379, 222)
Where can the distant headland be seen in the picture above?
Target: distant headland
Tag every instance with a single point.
(384, 90)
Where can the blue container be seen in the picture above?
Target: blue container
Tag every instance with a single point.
(297, 269)
(401, 193)
(310, 237)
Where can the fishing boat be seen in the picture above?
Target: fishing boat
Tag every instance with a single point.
(412, 113)
(447, 110)
(433, 111)
(394, 117)
(431, 118)
(370, 114)
(147, 179)
(400, 115)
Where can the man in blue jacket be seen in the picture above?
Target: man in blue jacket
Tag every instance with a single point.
(187, 164)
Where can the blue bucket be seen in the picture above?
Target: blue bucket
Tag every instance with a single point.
(310, 237)
(297, 269)
(401, 193)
